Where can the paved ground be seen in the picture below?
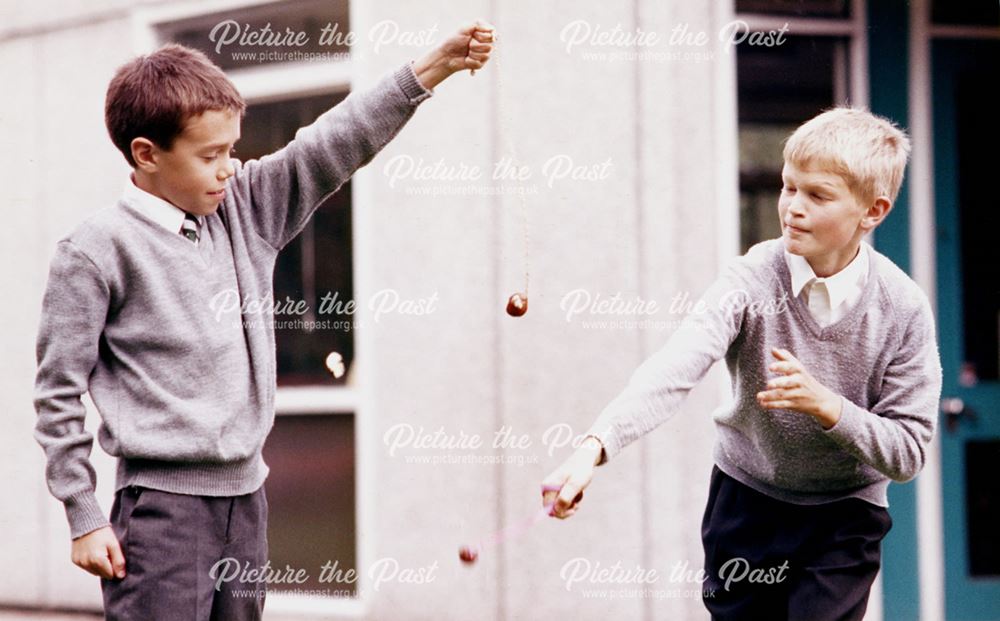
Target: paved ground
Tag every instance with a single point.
(16, 615)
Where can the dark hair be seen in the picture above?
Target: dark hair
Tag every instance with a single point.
(152, 96)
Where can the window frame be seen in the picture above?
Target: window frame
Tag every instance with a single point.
(854, 29)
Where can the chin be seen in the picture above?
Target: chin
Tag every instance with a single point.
(792, 246)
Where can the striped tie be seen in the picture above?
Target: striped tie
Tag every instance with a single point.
(190, 228)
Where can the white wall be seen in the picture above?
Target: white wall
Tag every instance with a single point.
(651, 230)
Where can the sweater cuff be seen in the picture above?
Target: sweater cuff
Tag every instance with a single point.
(84, 514)
(846, 431)
(407, 80)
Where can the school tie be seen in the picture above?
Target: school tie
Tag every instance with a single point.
(189, 228)
(819, 301)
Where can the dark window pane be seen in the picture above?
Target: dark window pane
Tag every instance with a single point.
(982, 507)
(796, 8)
(969, 13)
(311, 495)
(259, 35)
(778, 88)
(317, 263)
(978, 134)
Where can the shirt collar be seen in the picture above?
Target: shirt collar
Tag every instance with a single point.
(839, 285)
(153, 207)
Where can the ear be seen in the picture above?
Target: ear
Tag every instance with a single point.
(145, 153)
(876, 212)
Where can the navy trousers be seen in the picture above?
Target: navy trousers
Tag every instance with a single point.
(185, 556)
(768, 559)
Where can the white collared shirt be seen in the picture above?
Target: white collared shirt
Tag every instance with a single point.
(844, 287)
(165, 214)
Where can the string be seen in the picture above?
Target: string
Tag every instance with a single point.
(514, 162)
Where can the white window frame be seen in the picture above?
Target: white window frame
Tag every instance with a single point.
(271, 83)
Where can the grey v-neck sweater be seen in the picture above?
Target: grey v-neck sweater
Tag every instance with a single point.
(165, 335)
(881, 357)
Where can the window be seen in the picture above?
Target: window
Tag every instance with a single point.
(798, 8)
(236, 39)
(965, 13)
(317, 263)
(780, 87)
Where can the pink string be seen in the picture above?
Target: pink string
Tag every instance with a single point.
(517, 529)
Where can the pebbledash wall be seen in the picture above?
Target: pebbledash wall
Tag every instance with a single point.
(660, 223)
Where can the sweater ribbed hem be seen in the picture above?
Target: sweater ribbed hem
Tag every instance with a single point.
(195, 478)
(875, 493)
(84, 514)
(412, 88)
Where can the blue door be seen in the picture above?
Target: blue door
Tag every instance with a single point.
(966, 126)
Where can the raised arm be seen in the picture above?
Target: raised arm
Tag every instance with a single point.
(285, 188)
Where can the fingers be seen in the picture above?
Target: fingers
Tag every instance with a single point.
(778, 405)
(97, 565)
(780, 398)
(784, 354)
(480, 28)
(784, 367)
(117, 559)
(484, 36)
(564, 498)
(99, 553)
(567, 501)
(104, 568)
(785, 381)
(484, 27)
(550, 490)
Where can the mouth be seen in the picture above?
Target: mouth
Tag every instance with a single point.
(795, 229)
(219, 194)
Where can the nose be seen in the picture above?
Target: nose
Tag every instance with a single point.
(226, 171)
(794, 209)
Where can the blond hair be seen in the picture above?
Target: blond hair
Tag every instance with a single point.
(868, 151)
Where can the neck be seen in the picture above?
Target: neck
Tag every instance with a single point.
(828, 265)
(145, 183)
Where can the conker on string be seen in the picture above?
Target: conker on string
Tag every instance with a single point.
(517, 305)
(468, 554)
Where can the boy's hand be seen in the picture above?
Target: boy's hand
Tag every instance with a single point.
(99, 553)
(571, 478)
(795, 389)
(469, 48)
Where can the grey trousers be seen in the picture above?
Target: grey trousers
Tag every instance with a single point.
(188, 558)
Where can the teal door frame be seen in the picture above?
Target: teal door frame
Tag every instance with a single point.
(966, 597)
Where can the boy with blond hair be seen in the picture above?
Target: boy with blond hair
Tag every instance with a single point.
(836, 380)
(186, 395)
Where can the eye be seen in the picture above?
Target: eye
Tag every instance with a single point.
(787, 189)
(818, 197)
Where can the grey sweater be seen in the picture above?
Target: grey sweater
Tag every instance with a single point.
(184, 382)
(881, 357)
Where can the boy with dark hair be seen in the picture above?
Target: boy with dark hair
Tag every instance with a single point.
(186, 396)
